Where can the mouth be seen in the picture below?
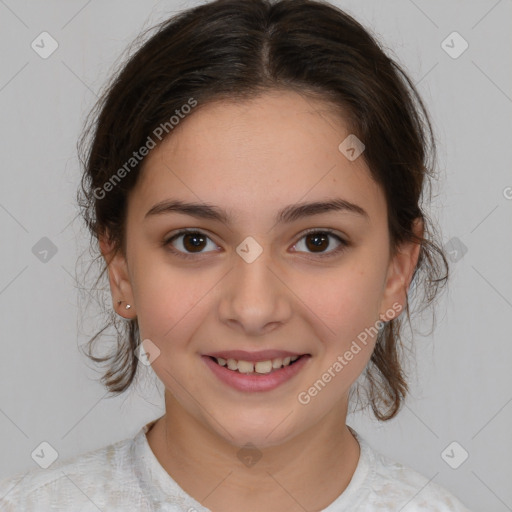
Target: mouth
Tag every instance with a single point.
(262, 367)
(255, 371)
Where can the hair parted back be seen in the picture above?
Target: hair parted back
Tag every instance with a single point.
(235, 50)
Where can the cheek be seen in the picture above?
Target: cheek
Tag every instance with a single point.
(347, 301)
(170, 308)
(168, 301)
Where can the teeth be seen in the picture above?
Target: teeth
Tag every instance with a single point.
(245, 367)
(277, 363)
(261, 367)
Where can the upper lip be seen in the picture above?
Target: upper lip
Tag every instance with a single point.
(262, 355)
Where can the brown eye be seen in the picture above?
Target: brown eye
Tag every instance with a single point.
(317, 242)
(320, 242)
(187, 243)
(194, 242)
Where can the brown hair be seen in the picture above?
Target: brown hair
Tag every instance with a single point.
(237, 49)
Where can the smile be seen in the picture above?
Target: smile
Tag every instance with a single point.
(257, 375)
(258, 367)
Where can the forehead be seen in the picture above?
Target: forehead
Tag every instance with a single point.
(255, 156)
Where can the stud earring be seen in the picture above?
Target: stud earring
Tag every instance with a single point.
(127, 305)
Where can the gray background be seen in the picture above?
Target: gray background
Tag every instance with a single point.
(461, 385)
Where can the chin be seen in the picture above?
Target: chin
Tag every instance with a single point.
(260, 430)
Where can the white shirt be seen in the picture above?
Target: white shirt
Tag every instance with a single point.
(126, 476)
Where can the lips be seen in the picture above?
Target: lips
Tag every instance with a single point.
(255, 371)
(262, 355)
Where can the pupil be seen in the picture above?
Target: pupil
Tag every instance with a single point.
(318, 240)
(197, 238)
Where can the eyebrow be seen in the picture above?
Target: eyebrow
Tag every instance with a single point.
(288, 214)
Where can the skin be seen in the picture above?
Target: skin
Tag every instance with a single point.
(252, 159)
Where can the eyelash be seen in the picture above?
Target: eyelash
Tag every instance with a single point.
(342, 247)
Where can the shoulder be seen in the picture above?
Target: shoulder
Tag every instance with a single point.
(395, 486)
(93, 479)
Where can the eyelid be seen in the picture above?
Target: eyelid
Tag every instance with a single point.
(322, 230)
(167, 241)
(344, 244)
(341, 239)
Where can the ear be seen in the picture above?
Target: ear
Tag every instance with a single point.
(399, 275)
(118, 276)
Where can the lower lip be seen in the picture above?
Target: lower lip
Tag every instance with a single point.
(263, 382)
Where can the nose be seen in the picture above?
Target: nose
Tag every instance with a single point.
(255, 299)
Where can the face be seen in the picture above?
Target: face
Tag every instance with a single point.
(257, 279)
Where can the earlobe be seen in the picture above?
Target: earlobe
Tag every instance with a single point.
(119, 279)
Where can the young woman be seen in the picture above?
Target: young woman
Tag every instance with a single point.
(253, 181)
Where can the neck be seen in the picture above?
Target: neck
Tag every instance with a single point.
(306, 472)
